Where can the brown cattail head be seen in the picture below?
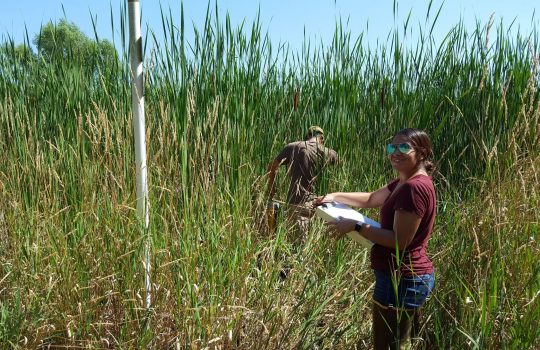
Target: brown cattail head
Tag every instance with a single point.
(296, 99)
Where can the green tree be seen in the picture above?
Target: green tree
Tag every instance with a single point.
(66, 42)
(16, 62)
(17, 55)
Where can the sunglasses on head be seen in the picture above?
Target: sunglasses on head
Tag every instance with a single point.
(404, 148)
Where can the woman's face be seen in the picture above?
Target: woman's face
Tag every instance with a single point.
(403, 162)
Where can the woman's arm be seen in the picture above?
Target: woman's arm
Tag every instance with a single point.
(357, 199)
(405, 226)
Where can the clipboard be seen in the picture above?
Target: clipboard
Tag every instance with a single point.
(334, 210)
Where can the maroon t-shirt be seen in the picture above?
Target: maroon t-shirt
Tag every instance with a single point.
(417, 195)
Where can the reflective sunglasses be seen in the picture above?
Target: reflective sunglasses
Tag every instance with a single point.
(404, 148)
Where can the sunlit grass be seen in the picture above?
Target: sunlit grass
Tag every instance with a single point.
(218, 109)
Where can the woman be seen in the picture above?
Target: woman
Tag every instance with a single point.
(404, 274)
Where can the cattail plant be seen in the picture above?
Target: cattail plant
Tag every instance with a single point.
(218, 108)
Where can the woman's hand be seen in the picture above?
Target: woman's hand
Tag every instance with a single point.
(327, 198)
(337, 229)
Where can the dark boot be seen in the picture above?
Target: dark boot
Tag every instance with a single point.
(416, 328)
(381, 328)
(402, 330)
(391, 328)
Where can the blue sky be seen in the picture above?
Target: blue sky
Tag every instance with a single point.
(285, 21)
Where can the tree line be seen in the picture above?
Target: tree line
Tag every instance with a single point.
(63, 43)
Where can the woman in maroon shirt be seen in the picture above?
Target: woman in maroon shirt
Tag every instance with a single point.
(404, 274)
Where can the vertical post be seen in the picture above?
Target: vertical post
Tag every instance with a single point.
(137, 98)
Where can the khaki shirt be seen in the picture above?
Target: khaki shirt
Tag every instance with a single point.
(305, 160)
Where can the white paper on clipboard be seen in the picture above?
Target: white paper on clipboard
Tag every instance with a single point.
(335, 210)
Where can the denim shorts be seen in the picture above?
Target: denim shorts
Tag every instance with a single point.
(411, 292)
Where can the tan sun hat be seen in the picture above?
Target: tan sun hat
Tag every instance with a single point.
(314, 130)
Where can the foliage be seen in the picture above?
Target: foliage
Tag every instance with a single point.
(65, 42)
(217, 110)
(20, 54)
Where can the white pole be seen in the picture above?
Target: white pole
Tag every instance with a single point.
(137, 97)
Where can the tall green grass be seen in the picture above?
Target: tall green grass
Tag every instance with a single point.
(218, 109)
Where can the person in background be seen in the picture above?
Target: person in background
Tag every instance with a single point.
(404, 275)
(304, 160)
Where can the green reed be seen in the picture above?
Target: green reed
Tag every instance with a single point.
(218, 109)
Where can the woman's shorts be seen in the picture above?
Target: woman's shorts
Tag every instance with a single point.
(411, 292)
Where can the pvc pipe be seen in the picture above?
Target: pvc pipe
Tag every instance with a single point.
(137, 98)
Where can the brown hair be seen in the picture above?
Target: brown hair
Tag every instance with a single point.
(421, 144)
